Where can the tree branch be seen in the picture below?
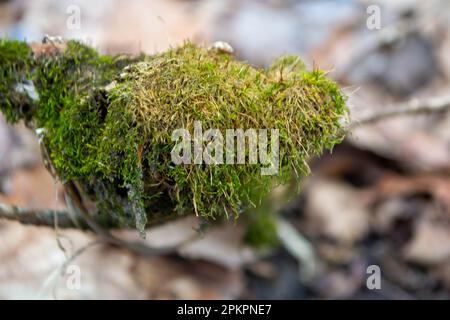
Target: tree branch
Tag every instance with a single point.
(413, 107)
(84, 221)
(40, 217)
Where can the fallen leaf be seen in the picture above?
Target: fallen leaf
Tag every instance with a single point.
(430, 244)
(337, 210)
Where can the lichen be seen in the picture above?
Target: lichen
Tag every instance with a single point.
(109, 121)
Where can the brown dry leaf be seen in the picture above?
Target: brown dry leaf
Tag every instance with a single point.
(430, 244)
(18, 147)
(222, 245)
(33, 188)
(337, 210)
(443, 273)
(396, 186)
(387, 213)
(169, 234)
(174, 278)
(338, 284)
(394, 139)
(31, 260)
(396, 269)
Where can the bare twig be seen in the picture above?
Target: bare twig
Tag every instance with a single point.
(413, 107)
(66, 220)
(84, 220)
(40, 217)
(60, 271)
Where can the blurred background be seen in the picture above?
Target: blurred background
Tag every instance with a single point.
(381, 199)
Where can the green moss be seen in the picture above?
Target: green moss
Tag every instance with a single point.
(109, 120)
(15, 64)
(261, 230)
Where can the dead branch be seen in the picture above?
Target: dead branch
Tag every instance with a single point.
(40, 217)
(84, 221)
(412, 107)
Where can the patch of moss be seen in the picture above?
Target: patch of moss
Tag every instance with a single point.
(109, 120)
(15, 64)
(261, 230)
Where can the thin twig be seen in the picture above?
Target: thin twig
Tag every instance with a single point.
(66, 220)
(413, 107)
(39, 217)
(52, 279)
(84, 221)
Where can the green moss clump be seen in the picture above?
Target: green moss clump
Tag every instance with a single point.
(15, 62)
(109, 121)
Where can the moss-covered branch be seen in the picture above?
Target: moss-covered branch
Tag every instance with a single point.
(107, 123)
